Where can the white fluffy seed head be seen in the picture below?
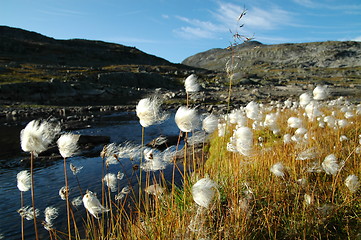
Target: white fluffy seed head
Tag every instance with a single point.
(210, 123)
(342, 123)
(331, 121)
(252, 110)
(237, 117)
(109, 153)
(92, 204)
(111, 180)
(305, 98)
(244, 140)
(313, 110)
(38, 135)
(352, 183)
(77, 201)
(294, 122)
(330, 164)
(50, 213)
(149, 113)
(191, 84)
(320, 92)
(27, 212)
(301, 131)
(75, 169)
(62, 193)
(23, 181)
(278, 169)
(68, 144)
(203, 192)
(287, 138)
(186, 119)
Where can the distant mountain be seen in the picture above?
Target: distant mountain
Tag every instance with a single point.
(328, 61)
(35, 69)
(24, 46)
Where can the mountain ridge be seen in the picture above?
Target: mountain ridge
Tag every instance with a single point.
(292, 61)
(18, 44)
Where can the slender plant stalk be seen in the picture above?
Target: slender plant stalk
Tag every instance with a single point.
(103, 194)
(67, 199)
(185, 182)
(76, 230)
(33, 193)
(22, 218)
(140, 170)
(175, 166)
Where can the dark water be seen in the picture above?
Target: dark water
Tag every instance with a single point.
(48, 180)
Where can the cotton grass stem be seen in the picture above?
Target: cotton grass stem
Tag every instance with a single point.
(67, 199)
(140, 170)
(33, 192)
(22, 218)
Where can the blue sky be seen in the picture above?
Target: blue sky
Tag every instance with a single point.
(176, 29)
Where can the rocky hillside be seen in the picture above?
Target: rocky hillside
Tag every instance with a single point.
(23, 46)
(317, 61)
(35, 69)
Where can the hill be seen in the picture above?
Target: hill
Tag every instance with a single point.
(24, 46)
(37, 69)
(331, 61)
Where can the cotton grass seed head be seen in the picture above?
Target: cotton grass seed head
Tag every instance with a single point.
(92, 204)
(77, 201)
(278, 169)
(320, 93)
(38, 135)
(111, 180)
(187, 119)
(210, 123)
(313, 110)
(305, 98)
(244, 140)
(203, 192)
(62, 193)
(155, 189)
(149, 113)
(51, 213)
(23, 181)
(352, 183)
(330, 164)
(75, 170)
(110, 153)
(252, 110)
(191, 84)
(68, 144)
(294, 122)
(28, 213)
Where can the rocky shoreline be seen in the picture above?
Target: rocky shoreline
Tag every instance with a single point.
(212, 98)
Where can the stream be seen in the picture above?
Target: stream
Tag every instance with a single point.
(121, 127)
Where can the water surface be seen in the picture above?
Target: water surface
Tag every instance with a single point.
(121, 127)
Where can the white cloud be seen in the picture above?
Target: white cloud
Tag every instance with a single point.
(267, 19)
(306, 3)
(61, 12)
(225, 19)
(195, 32)
(346, 8)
